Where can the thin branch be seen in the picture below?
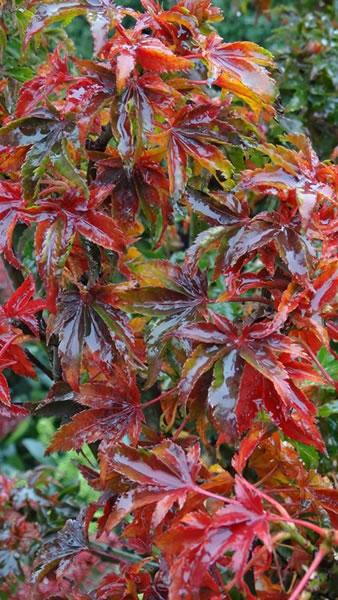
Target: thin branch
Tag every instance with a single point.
(115, 554)
(150, 402)
(203, 492)
(199, 81)
(266, 476)
(276, 540)
(278, 568)
(158, 398)
(272, 501)
(320, 367)
(181, 427)
(39, 364)
(284, 516)
(259, 299)
(296, 594)
(297, 537)
(307, 524)
(98, 145)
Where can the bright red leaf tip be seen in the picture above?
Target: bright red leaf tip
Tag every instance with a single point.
(132, 49)
(22, 307)
(240, 68)
(200, 540)
(252, 369)
(184, 312)
(47, 81)
(163, 476)
(19, 311)
(193, 133)
(12, 211)
(114, 412)
(88, 324)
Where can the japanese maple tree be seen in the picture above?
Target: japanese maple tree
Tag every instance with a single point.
(180, 280)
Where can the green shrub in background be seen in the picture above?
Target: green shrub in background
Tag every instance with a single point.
(303, 36)
(305, 44)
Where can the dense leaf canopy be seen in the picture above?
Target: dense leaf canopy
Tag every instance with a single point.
(176, 266)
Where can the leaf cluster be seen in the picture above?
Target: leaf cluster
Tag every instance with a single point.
(179, 272)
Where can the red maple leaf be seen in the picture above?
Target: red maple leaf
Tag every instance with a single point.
(88, 322)
(114, 411)
(270, 362)
(193, 133)
(163, 476)
(12, 211)
(131, 48)
(50, 77)
(200, 540)
(240, 67)
(57, 223)
(142, 186)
